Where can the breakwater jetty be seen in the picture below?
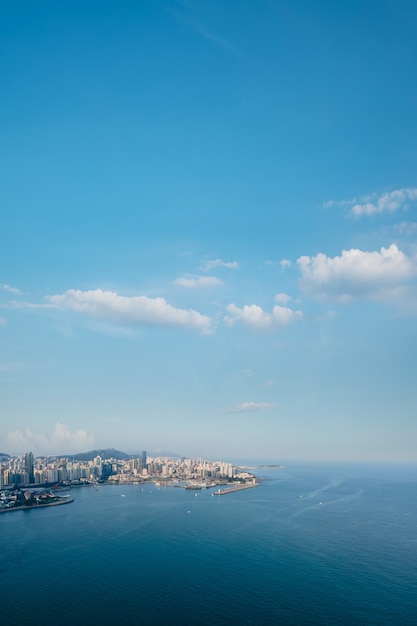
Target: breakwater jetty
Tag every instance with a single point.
(233, 489)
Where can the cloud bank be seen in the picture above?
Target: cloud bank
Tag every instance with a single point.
(253, 316)
(60, 441)
(356, 273)
(112, 307)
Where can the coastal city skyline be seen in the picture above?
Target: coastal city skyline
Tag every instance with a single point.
(114, 466)
(209, 234)
(28, 482)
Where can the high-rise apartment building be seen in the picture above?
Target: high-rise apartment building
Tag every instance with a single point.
(29, 465)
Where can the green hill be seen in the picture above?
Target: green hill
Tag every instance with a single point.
(108, 453)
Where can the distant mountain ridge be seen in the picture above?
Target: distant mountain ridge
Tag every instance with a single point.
(112, 453)
(107, 453)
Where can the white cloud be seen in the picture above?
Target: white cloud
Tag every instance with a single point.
(3, 321)
(282, 315)
(285, 263)
(253, 316)
(10, 288)
(377, 274)
(387, 202)
(110, 306)
(60, 441)
(282, 298)
(198, 282)
(208, 265)
(245, 407)
(267, 384)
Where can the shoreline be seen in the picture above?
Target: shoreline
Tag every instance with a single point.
(36, 506)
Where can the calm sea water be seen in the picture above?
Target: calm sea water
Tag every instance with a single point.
(311, 545)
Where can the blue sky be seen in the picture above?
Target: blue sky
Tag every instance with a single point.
(209, 229)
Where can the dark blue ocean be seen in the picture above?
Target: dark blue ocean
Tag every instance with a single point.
(343, 553)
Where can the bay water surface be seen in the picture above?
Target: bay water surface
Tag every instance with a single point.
(326, 544)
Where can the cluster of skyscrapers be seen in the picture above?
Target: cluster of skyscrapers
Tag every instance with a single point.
(28, 470)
